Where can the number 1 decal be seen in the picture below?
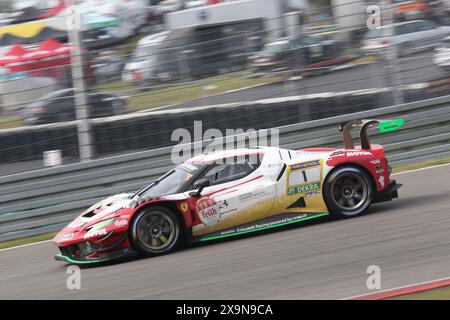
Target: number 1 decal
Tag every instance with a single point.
(304, 177)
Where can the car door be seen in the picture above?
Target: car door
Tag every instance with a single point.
(410, 37)
(315, 47)
(62, 107)
(299, 53)
(424, 34)
(427, 32)
(435, 33)
(312, 48)
(102, 104)
(285, 53)
(299, 190)
(238, 194)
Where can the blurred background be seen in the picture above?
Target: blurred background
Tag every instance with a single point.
(142, 68)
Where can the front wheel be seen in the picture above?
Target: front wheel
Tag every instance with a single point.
(154, 231)
(348, 192)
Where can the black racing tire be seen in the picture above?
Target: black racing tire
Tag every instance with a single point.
(348, 191)
(155, 230)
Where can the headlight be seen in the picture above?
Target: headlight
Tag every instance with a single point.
(102, 224)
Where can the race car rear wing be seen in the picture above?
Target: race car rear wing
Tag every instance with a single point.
(363, 125)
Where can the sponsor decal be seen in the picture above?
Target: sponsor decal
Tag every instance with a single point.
(304, 188)
(376, 161)
(312, 194)
(391, 125)
(184, 207)
(304, 165)
(208, 211)
(271, 223)
(304, 177)
(379, 169)
(252, 195)
(95, 233)
(338, 154)
(381, 181)
(358, 153)
(265, 224)
(121, 223)
(223, 204)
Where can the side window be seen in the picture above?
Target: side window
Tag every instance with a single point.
(222, 173)
(405, 28)
(428, 25)
(218, 173)
(296, 42)
(421, 26)
(306, 41)
(313, 40)
(64, 103)
(417, 26)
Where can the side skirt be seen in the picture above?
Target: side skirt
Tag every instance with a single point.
(264, 224)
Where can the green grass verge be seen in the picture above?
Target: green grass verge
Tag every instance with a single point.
(434, 294)
(423, 164)
(183, 92)
(19, 242)
(8, 122)
(172, 94)
(126, 47)
(363, 60)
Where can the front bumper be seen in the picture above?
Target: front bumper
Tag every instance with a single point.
(442, 58)
(114, 255)
(373, 51)
(86, 252)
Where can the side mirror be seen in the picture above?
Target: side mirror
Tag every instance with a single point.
(200, 185)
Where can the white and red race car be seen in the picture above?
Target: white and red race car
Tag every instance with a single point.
(233, 192)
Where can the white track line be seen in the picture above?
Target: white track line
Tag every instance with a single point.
(421, 169)
(25, 245)
(409, 171)
(395, 289)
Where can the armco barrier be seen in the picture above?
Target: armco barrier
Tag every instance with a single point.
(45, 200)
(152, 130)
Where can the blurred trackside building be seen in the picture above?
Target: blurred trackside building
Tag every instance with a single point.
(279, 17)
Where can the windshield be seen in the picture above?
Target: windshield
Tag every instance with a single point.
(172, 182)
(275, 47)
(145, 52)
(374, 33)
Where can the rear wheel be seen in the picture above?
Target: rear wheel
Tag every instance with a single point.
(348, 191)
(154, 231)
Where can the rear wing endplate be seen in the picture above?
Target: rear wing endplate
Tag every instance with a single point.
(363, 125)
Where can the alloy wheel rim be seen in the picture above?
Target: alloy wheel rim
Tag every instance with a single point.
(349, 191)
(156, 231)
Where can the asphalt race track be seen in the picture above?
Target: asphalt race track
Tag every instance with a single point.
(417, 68)
(408, 239)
